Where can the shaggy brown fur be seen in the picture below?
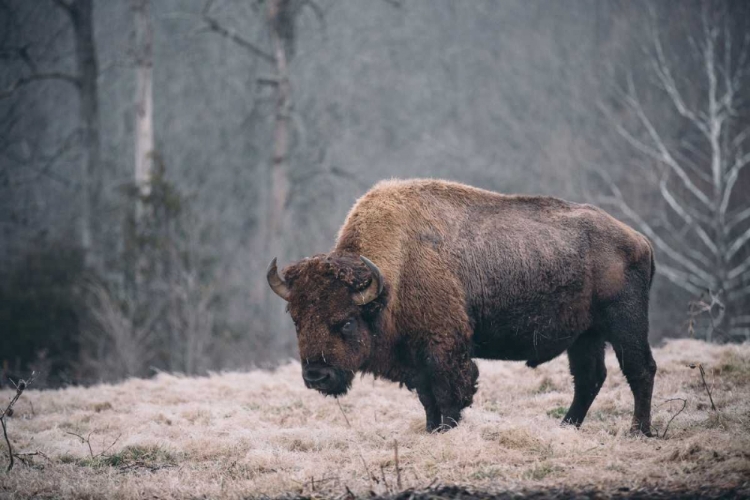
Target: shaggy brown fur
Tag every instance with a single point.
(472, 273)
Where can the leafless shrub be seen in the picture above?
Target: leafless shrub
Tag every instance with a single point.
(115, 346)
(712, 307)
(87, 441)
(162, 313)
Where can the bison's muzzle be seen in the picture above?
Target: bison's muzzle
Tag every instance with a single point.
(326, 379)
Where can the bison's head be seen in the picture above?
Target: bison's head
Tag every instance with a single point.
(334, 300)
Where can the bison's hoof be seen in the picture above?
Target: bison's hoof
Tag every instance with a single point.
(433, 427)
(637, 431)
(440, 428)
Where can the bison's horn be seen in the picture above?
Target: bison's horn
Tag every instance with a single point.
(277, 284)
(376, 286)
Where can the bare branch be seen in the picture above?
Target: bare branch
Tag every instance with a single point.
(688, 218)
(737, 218)
(36, 77)
(740, 137)
(680, 278)
(738, 243)
(705, 385)
(684, 404)
(695, 168)
(661, 68)
(663, 152)
(679, 238)
(214, 25)
(731, 179)
(737, 271)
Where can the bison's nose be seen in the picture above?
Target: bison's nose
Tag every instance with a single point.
(315, 375)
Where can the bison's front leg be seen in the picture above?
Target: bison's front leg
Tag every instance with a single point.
(453, 380)
(431, 408)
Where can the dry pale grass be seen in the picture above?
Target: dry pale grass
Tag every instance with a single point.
(242, 434)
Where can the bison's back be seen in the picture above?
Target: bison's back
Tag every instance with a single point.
(526, 271)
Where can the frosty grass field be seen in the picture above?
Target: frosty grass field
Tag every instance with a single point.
(235, 435)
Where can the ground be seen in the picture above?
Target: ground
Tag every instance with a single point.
(235, 435)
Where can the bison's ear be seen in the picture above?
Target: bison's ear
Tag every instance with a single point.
(373, 291)
(277, 284)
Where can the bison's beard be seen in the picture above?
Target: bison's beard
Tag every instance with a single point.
(338, 383)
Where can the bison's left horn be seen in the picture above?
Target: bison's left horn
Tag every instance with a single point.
(277, 284)
(376, 286)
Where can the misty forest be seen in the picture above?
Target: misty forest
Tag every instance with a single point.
(156, 155)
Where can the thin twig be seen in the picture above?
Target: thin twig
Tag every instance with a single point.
(398, 470)
(703, 378)
(367, 469)
(86, 440)
(110, 446)
(10, 449)
(24, 457)
(684, 404)
(385, 481)
(20, 387)
(343, 413)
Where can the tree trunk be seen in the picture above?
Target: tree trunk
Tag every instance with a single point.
(278, 180)
(81, 15)
(144, 125)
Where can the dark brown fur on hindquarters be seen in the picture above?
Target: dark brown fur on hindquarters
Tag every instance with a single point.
(467, 273)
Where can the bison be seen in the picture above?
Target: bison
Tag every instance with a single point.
(428, 274)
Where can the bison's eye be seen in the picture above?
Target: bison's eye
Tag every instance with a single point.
(348, 327)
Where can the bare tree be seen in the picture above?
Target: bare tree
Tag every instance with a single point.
(80, 14)
(697, 177)
(114, 345)
(280, 20)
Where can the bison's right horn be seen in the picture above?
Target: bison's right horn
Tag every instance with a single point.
(277, 284)
(376, 286)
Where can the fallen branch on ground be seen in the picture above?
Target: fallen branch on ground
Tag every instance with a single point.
(28, 458)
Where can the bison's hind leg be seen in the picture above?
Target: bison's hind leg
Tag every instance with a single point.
(628, 333)
(586, 358)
